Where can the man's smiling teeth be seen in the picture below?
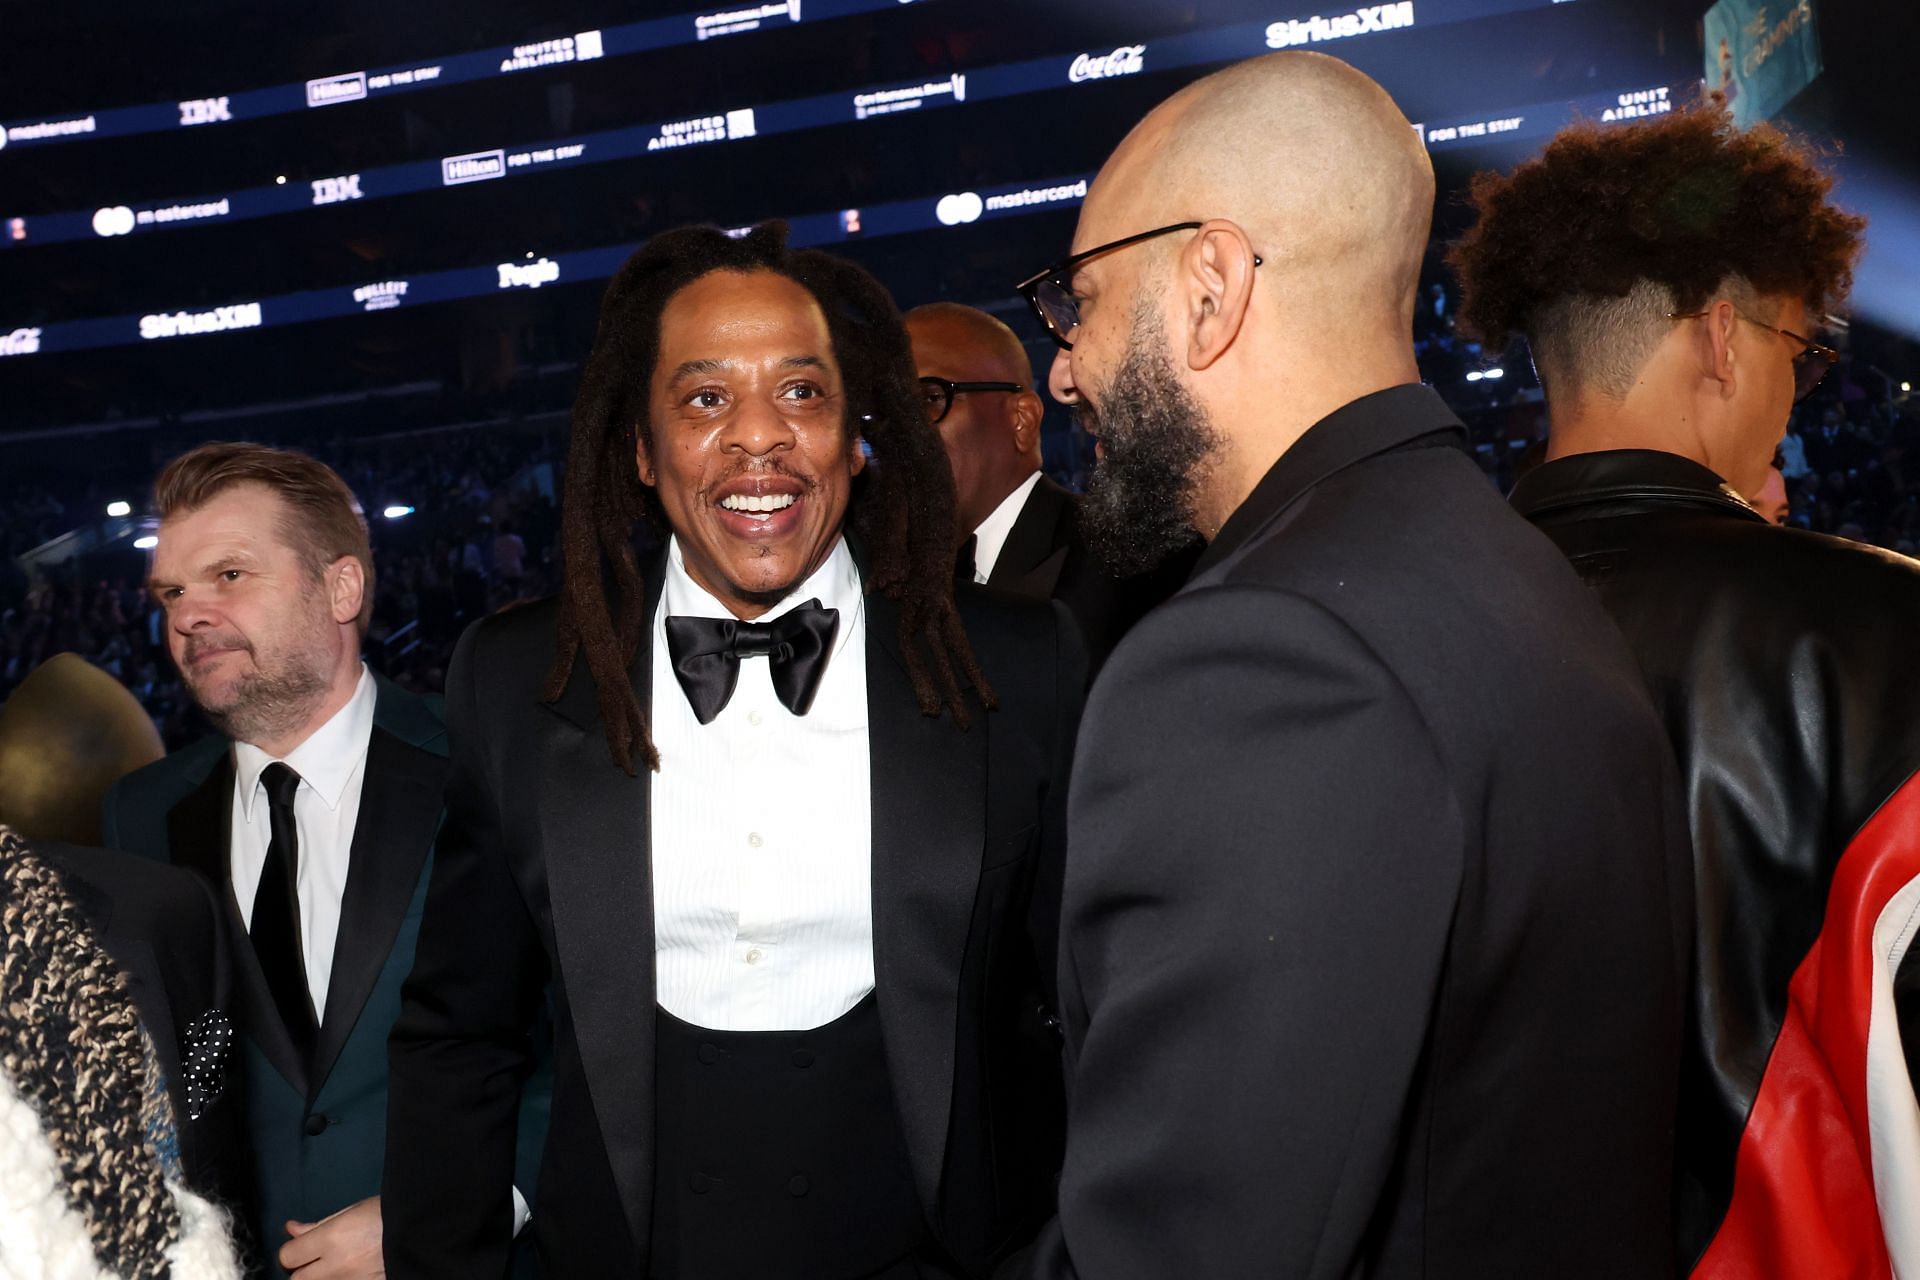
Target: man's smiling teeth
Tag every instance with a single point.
(762, 503)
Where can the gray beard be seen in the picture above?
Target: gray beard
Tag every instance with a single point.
(266, 707)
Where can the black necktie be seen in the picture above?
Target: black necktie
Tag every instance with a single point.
(275, 925)
(706, 656)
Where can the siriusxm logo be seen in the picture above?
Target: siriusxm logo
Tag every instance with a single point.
(334, 190)
(205, 111)
(243, 315)
(380, 297)
(476, 166)
(1125, 61)
(21, 342)
(345, 88)
(528, 275)
(1385, 17)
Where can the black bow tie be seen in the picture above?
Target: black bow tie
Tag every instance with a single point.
(706, 656)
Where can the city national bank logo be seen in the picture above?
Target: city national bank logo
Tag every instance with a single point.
(384, 296)
(1127, 60)
(182, 324)
(21, 342)
(528, 275)
(334, 190)
(1637, 105)
(351, 87)
(733, 21)
(883, 102)
(477, 166)
(1361, 22)
(584, 47)
(205, 111)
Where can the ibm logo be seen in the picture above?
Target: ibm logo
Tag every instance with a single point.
(334, 190)
(205, 111)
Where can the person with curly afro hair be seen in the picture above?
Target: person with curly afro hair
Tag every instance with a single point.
(1669, 277)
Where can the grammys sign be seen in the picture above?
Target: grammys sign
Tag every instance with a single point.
(1759, 55)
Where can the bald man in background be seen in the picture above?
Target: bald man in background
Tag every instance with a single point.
(1020, 532)
(1377, 888)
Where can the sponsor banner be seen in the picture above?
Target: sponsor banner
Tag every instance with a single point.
(206, 111)
(330, 90)
(1761, 55)
(181, 324)
(1637, 105)
(334, 190)
(912, 97)
(475, 166)
(1435, 135)
(47, 129)
(403, 78)
(528, 275)
(1365, 21)
(728, 22)
(384, 296)
(1127, 60)
(546, 155)
(184, 212)
(584, 47)
(21, 342)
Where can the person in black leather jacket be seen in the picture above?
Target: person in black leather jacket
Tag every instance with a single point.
(1665, 276)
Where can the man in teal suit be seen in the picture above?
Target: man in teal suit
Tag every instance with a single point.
(314, 813)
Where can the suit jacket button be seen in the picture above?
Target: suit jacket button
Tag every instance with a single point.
(709, 1054)
(700, 1184)
(798, 1185)
(803, 1057)
(316, 1125)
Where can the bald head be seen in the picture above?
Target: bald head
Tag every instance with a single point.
(992, 437)
(1308, 155)
(1213, 348)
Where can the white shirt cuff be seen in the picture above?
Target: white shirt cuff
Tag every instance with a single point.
(521, 1212)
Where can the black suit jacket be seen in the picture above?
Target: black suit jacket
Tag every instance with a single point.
(165, 930)
(1045, 558)
(1376, 900)
(542, 871)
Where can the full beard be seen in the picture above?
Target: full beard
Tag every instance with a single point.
(1156, 445)
(270, 702)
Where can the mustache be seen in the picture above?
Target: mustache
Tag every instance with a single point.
(1086, 417)
(761, 469)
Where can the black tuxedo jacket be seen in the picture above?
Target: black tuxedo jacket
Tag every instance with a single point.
(541, 872)
(1377, 899)
(1045, 558)
(165, 930)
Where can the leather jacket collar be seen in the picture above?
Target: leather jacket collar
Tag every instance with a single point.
(1625, 480)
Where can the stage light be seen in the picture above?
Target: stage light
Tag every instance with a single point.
(146, 543)
(1495, 372)
(1474, 375)
(280, 180)
(117, 509)
(1906, 386)
(397, 512)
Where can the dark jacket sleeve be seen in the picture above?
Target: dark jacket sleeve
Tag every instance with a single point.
(461, 1048)
(1264, 858)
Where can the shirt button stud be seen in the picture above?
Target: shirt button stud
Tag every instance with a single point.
(755, 955)
(753, 840)
(755, 718)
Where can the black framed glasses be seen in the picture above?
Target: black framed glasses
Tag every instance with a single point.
(1050, 291)
(938, 393)
(1811, 363)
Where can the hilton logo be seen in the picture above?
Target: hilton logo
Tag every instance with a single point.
(477, 166)
(347, 88)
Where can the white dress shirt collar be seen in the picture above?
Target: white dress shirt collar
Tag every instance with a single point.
(326, 761)
(836, 584)
(990, 539)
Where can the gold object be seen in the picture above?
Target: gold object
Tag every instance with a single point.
(66, 735)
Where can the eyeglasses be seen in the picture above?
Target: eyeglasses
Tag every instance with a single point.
(1811, 363)
(938, 393)
(1050, 292)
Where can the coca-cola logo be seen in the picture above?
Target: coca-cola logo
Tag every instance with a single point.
(1124, 61)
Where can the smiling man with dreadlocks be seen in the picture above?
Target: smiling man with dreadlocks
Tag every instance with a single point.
(776, 816)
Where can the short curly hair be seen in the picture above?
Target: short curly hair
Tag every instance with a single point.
(1666, 213)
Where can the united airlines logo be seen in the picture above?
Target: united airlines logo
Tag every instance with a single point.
(334, 190)
(345, 88)
(21, 342)
(1127, 60)
(1638, 105)
(205, 111)
(477, 166)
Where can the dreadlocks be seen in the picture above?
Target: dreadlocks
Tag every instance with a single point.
(902, 511)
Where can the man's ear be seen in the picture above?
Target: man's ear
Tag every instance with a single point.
(346, 582)
(1027, 411)
(1215, 273)
(856, 454)
(1717, 329)
(643, 458)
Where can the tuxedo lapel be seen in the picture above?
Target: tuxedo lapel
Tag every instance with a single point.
(1036, 547)
(400, 804)
(929, 783)
(594, 828)
(199, 836)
